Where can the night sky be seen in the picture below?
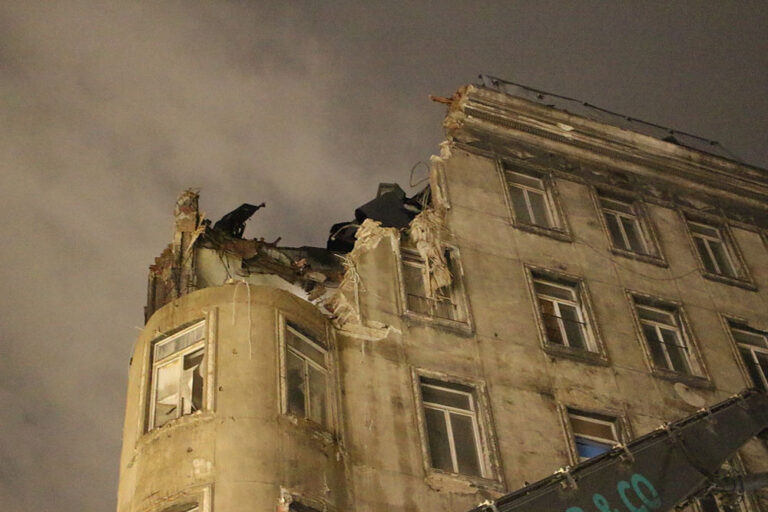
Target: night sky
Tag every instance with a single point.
(109, 109)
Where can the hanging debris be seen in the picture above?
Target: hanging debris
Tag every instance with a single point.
(233, 223)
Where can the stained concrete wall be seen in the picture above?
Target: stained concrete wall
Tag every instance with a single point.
(528, 387)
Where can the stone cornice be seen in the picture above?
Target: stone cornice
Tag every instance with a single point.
(477, 109)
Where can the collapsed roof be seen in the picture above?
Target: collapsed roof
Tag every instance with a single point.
(313, 269)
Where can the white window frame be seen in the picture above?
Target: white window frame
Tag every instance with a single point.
(593, 350)
(485, 438)
(447, 410)
(305, 335)
(697, 374)
(614, 423)
(634, 218)
(719, 239)
(675, 326)
(177, 356)
(557, 302)
(554, 225)
(549, 213)
(752, 349)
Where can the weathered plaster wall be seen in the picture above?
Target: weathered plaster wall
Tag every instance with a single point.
(242, 447)
(243, 451)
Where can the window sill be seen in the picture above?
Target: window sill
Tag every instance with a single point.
(646, 258)
(733, 281)
(453, 325)
(696, 381)
(313, 430)
(187, 420)
(556, 233)
(582, 356)
(462, 484)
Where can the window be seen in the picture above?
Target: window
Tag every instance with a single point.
(562, 313)
(424, 296)
(306, 376)
(178, 375)
(753, 347)
(715, 250)
(666, 337)
(592, 434)
(628, 227)
(531, 198)
(452, 429)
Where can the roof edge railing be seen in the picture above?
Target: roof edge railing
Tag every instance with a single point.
(595, 113)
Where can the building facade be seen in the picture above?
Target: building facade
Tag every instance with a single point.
(565, 283)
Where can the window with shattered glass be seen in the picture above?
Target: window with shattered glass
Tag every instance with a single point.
(306, 376)
(178, 375)
(422, 294)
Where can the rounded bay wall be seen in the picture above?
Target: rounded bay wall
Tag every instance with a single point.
(241, 449)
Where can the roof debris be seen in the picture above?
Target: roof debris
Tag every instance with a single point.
(316, 271)
(233, 223)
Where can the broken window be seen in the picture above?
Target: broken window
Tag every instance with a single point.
(453, 432)
(562, 313)
(753, 347)
(666, 337)
(593, 434)
(178, 375)
(714, 250)
(306, 376)
(422, 294)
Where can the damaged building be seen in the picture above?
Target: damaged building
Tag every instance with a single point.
(568, 280)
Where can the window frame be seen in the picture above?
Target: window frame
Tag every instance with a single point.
(485, 438)
(732, 323)
(559, 228)
(153, 366)
(408, 256)
(642, 220)
(618, 421)
(594, 351)
(731, 252)
(322, 344)
(698, 375)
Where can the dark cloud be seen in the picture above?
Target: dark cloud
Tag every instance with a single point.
(109, 109)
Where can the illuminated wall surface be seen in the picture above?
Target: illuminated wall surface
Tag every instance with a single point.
(561, 286)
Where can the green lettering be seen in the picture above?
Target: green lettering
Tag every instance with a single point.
(654, 501)
(623, 486)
